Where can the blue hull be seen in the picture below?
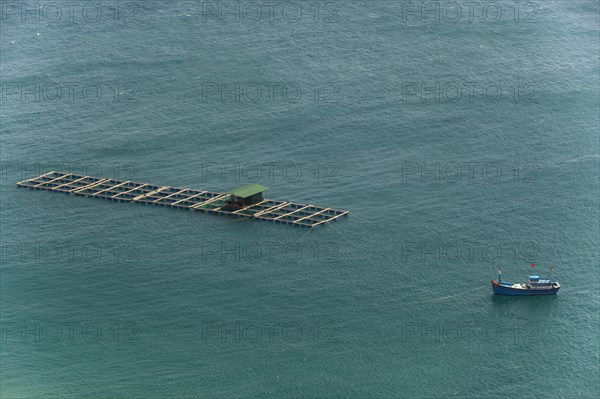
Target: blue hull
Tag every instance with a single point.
(504, 290)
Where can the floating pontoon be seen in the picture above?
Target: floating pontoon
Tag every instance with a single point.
(246, 201)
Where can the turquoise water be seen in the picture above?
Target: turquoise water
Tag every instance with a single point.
(498, 168)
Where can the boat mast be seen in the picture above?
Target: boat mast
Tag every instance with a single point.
(499, 275)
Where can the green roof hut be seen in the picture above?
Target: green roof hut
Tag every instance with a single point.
(246, 195)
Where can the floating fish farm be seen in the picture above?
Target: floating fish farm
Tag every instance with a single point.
(245, 202)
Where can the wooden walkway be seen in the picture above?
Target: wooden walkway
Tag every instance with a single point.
(184, 198)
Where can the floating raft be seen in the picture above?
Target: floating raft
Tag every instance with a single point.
(184, 198)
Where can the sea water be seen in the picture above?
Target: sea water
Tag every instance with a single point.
(462, 138)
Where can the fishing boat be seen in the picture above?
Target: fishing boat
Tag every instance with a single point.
(535, 286)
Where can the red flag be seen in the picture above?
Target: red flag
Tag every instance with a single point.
(532, 265)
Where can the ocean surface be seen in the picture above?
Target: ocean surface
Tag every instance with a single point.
(463, 139)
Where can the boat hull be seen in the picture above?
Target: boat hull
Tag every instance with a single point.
(504, 290)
